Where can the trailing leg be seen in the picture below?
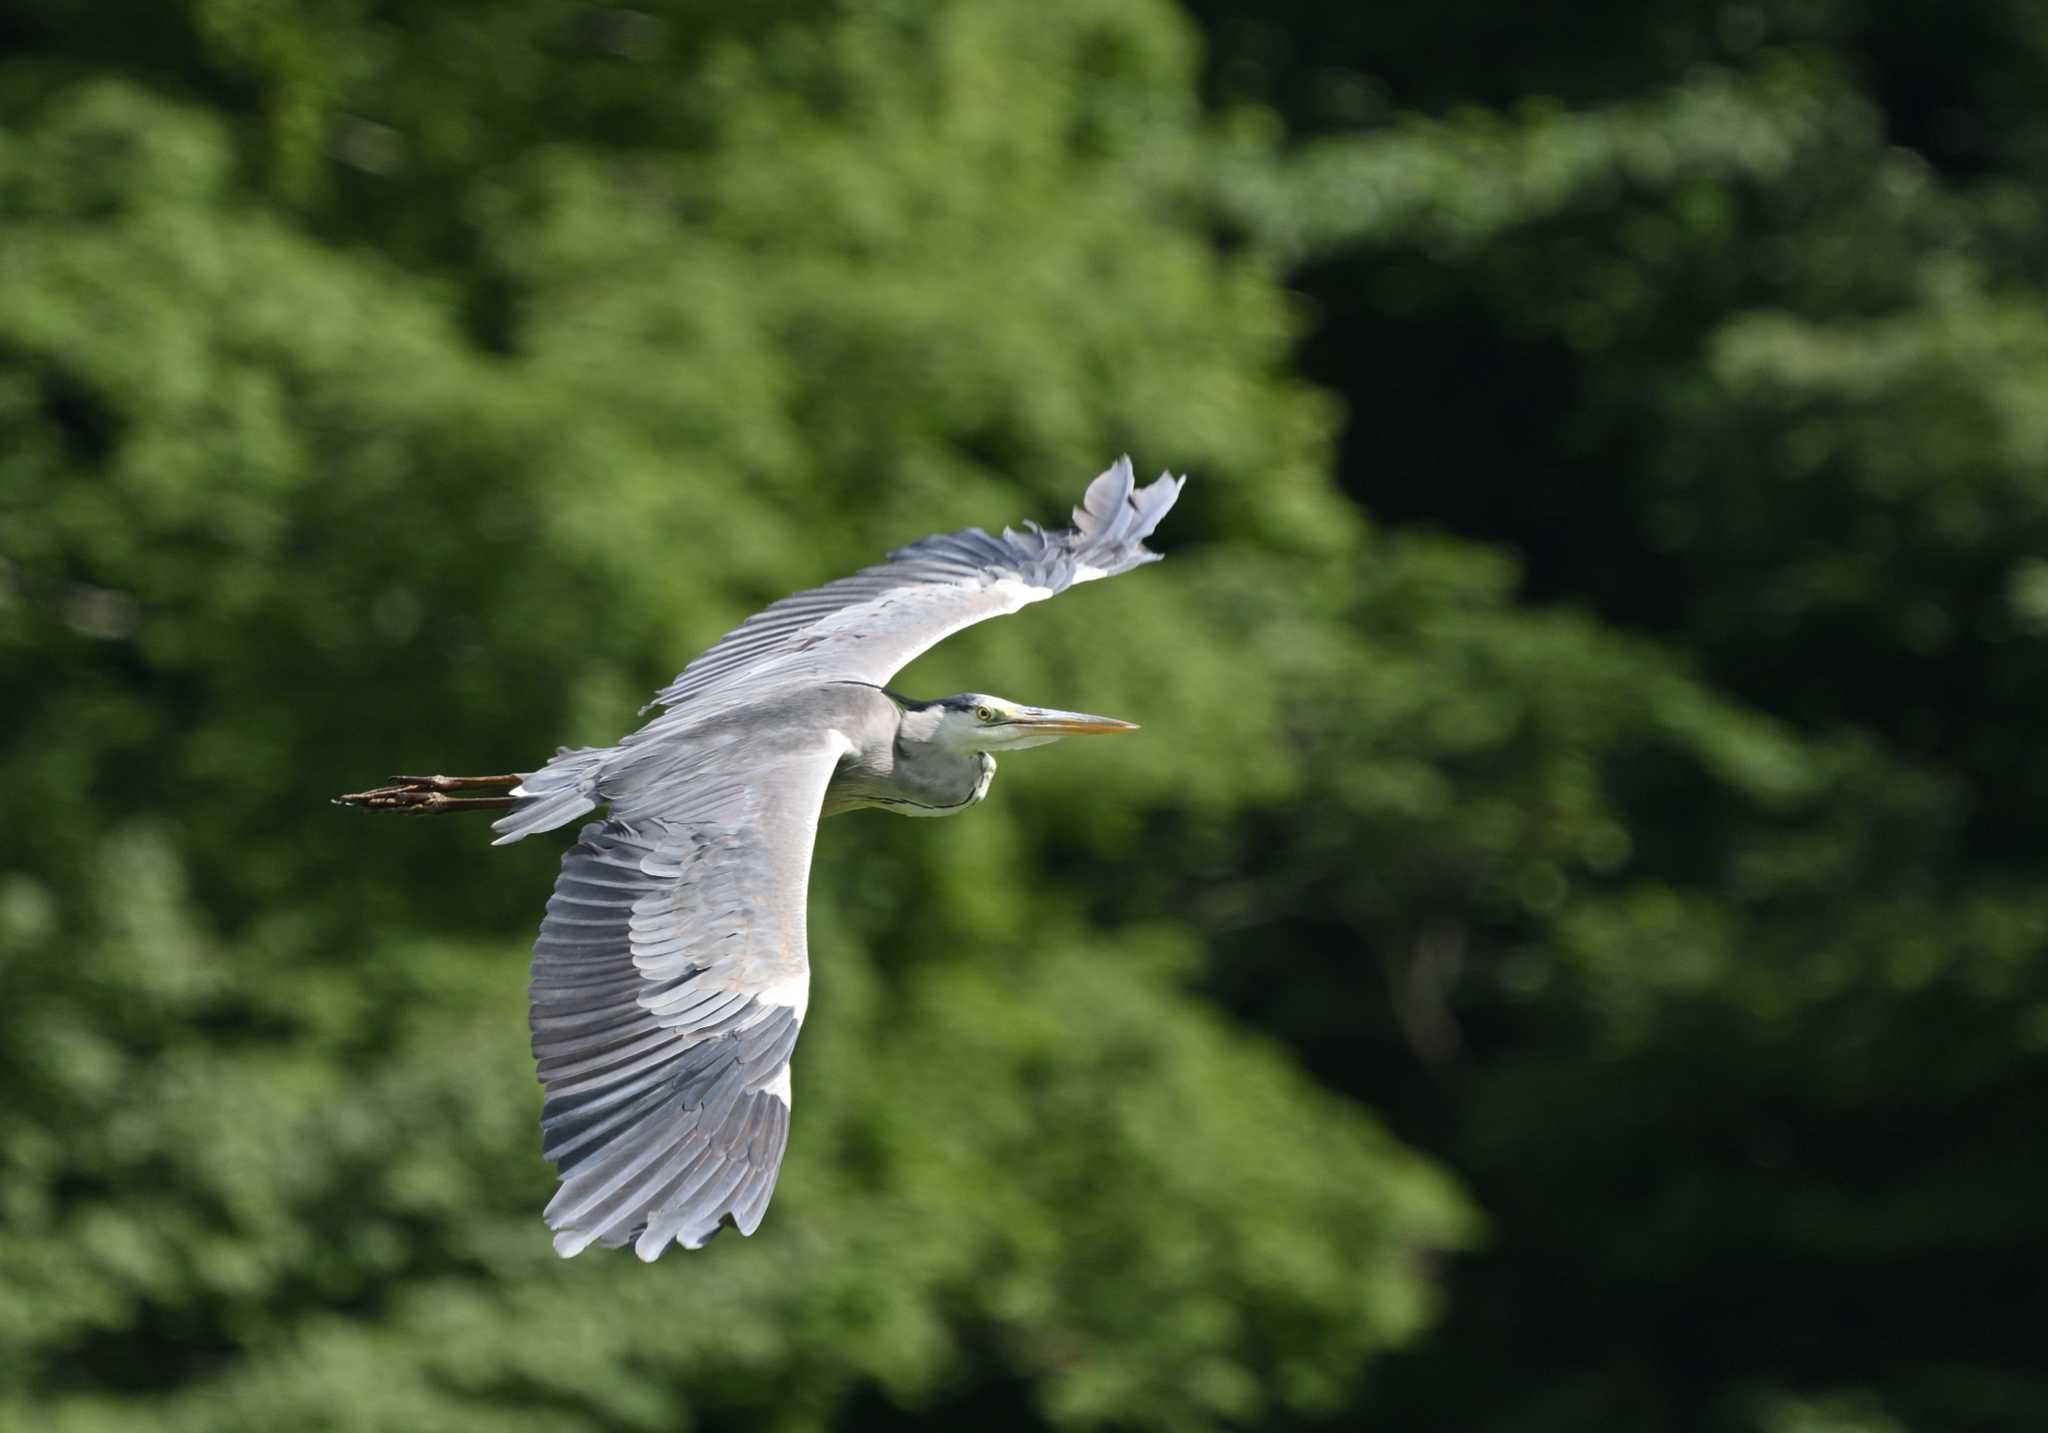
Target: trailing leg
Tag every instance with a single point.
(431, 795)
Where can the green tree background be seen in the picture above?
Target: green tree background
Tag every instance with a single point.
(1566, 952)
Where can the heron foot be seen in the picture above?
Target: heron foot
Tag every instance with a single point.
(430, 795)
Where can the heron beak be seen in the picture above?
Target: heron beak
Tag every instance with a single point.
(1058, 723)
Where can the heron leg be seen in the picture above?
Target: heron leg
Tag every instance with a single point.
(430, 795)
(460, 783)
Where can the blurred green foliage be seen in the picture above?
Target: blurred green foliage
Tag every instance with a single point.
(1565, 952)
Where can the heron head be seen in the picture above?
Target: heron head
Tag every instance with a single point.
(976, 721)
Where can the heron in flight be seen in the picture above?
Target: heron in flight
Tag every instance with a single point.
(670, 976)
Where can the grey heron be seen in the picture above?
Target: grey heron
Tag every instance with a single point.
(671, 974)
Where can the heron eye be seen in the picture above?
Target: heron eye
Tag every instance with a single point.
(984, 714)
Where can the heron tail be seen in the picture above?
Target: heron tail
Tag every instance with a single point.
(555, 795)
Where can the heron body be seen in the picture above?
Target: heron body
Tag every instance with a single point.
(671, 975)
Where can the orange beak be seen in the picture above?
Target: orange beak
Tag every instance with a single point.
(1058, 723)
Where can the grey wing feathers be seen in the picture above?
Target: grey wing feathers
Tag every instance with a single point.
(669, 982)
(865, 627)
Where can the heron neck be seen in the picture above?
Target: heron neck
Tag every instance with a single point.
(911, 773)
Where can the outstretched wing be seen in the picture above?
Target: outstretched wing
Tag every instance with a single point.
(669, 981)
(865, 627)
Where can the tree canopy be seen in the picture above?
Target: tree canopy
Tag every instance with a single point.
(1565, 951)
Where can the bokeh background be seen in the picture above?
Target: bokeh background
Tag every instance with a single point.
(1568, 951)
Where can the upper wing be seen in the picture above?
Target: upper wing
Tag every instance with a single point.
(669, 981)
(866, 627)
